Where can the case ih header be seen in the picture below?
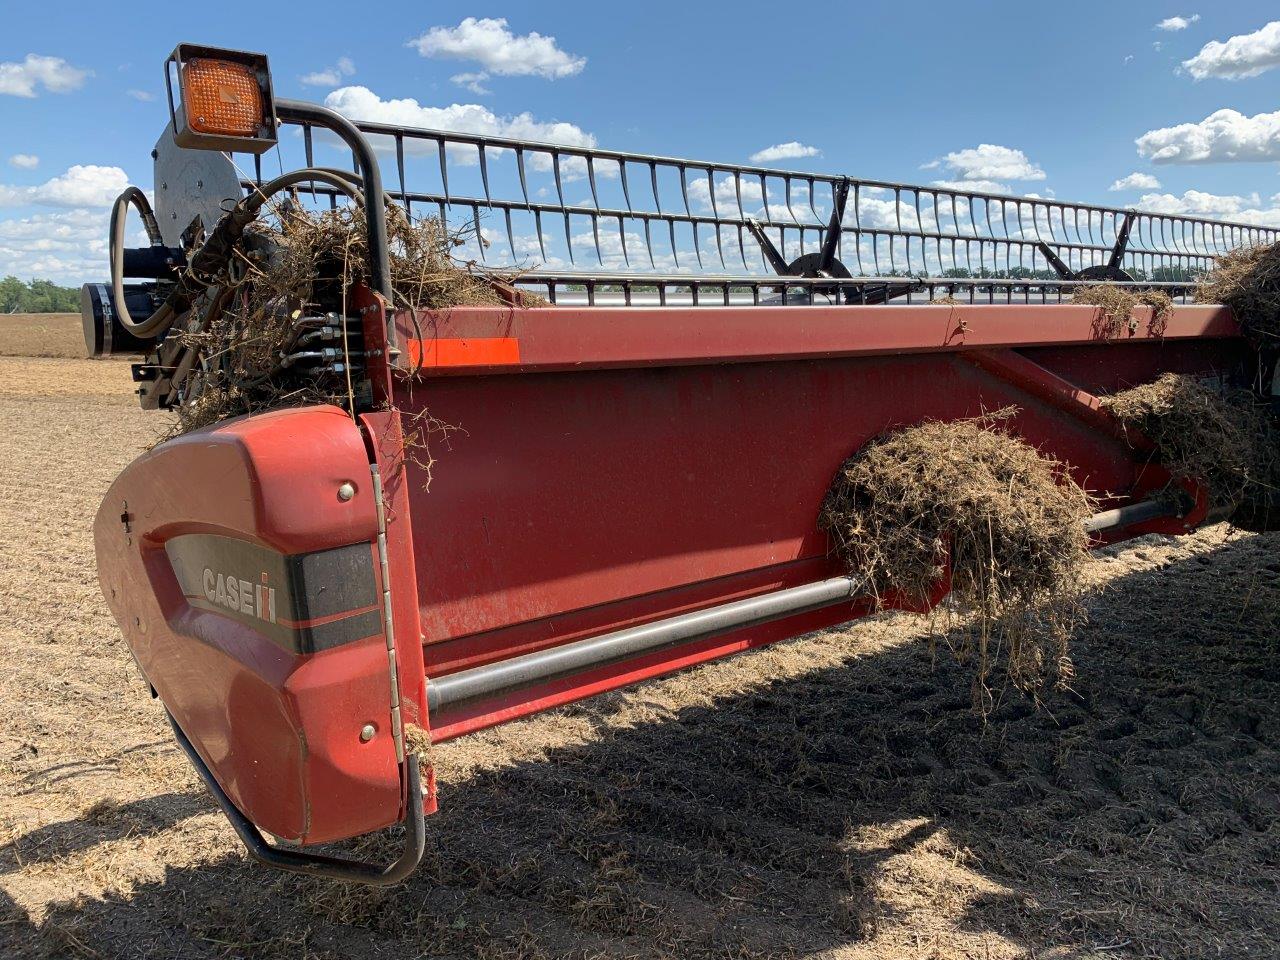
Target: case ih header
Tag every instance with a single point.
(641, 462)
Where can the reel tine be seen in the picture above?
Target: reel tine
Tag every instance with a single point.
(537, 225)
(484, 171)
(555, 166)
(404, 193)
(524, 185)
(444, 170)
(308, 152)
(622, 175)
(475, 212)
(595, 235)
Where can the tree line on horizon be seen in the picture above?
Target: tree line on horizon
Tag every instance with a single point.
(37, 296)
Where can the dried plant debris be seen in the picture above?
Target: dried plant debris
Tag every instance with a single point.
(1248, 281)
(1118, 304)
(291, 272)
(1224, 439)
(1007, 519)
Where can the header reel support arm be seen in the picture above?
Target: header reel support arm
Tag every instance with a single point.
(1109, 271)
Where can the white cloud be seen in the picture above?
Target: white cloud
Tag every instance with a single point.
(142, 96)
(1222, 137)
(791, 150)
(66, 246)
(1246, 55)
(727, 196)
(83, 185)
(489, 43)
(1136, 181)
(24, 161)
(1174, 24)
(1247, 209)
(473, 82)
(53, 73)
(983, 167)
(330, 76)
(361, 103)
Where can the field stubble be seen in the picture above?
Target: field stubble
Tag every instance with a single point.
(834, 796)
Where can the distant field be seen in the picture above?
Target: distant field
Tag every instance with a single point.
(41, 335)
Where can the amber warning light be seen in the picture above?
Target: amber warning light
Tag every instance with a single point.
(226, 101)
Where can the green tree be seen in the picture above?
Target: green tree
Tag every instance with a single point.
(37, 296)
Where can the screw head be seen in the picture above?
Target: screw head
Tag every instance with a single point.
(367, 732)
(346, 491)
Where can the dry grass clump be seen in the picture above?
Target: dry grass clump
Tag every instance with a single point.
(1007, 518)
(1224, 440)
(300, 262)
(424, 275)
(1248, 281)
(1118, 304)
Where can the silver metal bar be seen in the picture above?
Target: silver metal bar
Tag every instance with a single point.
(505, 676)
(1130, 514)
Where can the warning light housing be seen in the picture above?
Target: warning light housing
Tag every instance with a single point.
(225, 99)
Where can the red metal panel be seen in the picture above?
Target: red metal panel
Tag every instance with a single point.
(568, 338)
(640, 463)
(280, 731)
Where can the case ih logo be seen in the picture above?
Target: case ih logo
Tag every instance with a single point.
(256, 599)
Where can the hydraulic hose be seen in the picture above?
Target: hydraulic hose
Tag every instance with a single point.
(338, 179)
(119, 210)
(211, 259)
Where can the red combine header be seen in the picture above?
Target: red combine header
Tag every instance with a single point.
(638, 461)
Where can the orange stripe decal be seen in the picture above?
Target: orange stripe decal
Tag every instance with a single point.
(464, 352)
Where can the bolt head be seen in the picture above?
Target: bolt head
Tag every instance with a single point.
(367, 732)
(346, 491)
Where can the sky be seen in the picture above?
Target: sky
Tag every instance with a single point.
(1171, 107)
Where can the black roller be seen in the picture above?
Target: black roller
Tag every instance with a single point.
(104, 335)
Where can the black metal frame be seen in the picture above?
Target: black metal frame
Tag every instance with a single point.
(965, 231)
(316, 864)
(708, 290)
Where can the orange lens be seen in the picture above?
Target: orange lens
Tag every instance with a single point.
(221, 97)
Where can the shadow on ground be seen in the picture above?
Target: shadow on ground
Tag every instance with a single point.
(861, 810)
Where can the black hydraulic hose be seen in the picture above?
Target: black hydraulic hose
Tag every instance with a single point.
(337, 179)
(208, 263)
(115, 251)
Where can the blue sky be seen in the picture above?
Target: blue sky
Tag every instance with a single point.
(1034, 98)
